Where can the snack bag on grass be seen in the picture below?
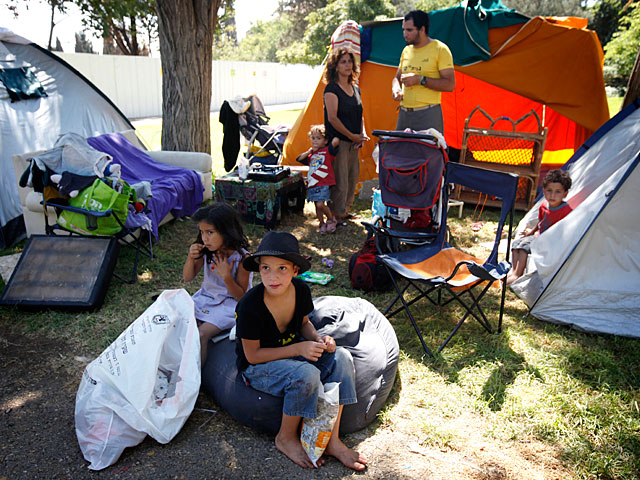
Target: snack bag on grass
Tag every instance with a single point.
(316, 432)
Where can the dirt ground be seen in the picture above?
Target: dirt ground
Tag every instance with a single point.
(40, 378)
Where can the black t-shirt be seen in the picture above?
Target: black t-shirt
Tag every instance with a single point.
(349, 111)
(255, 322)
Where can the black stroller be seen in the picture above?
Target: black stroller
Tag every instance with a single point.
(407, 208)
(254, 126)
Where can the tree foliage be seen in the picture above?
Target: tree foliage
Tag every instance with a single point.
(622, 49)
(226, 28)
(321, 24)
(425, 5)
(549, 8)
(56, 6)
(131, 24)
(261, 43)
(83, 45)
(58, 47)
(605, 18)
(296, 13)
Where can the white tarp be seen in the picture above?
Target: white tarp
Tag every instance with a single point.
(72, 105)
(589, 262)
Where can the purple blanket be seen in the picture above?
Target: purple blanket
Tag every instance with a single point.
(175, 189)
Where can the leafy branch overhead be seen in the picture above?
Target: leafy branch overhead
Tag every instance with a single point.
(130, 24)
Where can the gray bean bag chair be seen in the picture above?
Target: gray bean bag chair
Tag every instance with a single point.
(356, 325)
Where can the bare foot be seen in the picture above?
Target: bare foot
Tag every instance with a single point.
(292, 448)
(349, 458)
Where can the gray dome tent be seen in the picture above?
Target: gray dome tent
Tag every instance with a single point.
(585, 270)
(56, 99)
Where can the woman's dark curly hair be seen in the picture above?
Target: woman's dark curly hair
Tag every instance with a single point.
(330, 75)
(226, 222)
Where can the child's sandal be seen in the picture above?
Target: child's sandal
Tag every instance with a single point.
(323, 229)
(331, 227)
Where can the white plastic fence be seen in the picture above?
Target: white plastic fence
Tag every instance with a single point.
(134, 84)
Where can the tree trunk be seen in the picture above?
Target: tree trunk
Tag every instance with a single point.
(633, 87)
(186, 40)
(52, 24)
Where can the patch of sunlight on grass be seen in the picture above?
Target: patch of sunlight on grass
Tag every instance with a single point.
(145, 276)
(614, 105)
(575, 393)
(437, 435)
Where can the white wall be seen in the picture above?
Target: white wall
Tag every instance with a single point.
(134, 84)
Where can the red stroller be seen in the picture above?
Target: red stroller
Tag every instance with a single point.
(408, 207)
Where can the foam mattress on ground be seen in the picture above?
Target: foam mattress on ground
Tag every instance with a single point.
(356, 325)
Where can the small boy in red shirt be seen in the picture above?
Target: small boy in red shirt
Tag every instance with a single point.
(320, 178)
(555, 186)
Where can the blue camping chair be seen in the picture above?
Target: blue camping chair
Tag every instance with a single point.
(443, 274)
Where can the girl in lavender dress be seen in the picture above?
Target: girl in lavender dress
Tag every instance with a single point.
(220, 248)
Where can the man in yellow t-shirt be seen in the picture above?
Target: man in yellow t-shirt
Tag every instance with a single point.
(425, 70)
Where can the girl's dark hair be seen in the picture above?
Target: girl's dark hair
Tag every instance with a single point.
(226, 222)
(557, 176)
(330, 75)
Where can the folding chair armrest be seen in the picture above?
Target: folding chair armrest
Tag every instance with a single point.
(371, 228)
(81, 211)
(475, 269)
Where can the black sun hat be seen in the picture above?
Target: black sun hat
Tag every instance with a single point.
(277, 244)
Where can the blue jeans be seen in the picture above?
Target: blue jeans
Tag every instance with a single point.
(300, 381)
(319, 194)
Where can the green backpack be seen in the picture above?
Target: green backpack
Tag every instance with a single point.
(99, 197)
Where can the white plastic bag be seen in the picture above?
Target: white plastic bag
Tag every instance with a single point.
(145, 382)
(316, 432)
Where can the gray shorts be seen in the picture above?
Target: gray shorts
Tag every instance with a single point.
(421, 119)
(523, 243)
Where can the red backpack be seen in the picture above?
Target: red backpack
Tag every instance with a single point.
(365, 271)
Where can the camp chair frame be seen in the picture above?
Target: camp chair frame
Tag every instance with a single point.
(441, 290)
(125, 235)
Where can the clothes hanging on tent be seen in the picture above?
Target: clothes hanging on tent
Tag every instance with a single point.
(231, 135)
(21, 84)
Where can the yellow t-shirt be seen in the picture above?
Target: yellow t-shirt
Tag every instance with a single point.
(426, 61)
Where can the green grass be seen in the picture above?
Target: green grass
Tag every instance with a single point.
(573, 393)
(614, 105)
